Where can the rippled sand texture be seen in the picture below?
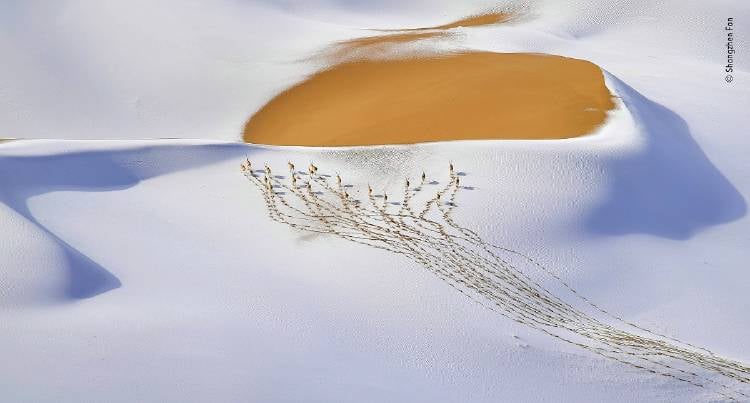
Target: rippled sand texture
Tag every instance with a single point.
(464, 96)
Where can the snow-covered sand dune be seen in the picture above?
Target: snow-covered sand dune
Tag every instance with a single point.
(669, 187)
(90, 170)
(148, 270)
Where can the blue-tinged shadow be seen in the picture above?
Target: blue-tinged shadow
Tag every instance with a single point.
(669, 188)
(24, 177)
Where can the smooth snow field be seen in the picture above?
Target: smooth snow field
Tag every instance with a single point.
(143, 259)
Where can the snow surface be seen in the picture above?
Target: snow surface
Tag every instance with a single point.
(147, 270)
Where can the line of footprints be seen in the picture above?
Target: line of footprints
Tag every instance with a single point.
(427, 234)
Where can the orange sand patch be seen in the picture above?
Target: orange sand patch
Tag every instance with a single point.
(381, 46)
(464, 96)
(473, 21)
(372, 45)
(390, 39)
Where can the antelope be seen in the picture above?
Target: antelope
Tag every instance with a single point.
(291, 166)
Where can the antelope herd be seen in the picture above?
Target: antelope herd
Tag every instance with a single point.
(490, 275)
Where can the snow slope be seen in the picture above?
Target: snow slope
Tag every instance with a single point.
(147, 270)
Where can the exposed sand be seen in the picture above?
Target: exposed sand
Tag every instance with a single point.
(414, 34)
(472, 21)
(477, 95)
(391, 39)
(379, 46)
(372, 45)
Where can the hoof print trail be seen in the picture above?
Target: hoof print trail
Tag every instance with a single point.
(428, 235)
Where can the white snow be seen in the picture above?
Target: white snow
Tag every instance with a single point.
(148, 270)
